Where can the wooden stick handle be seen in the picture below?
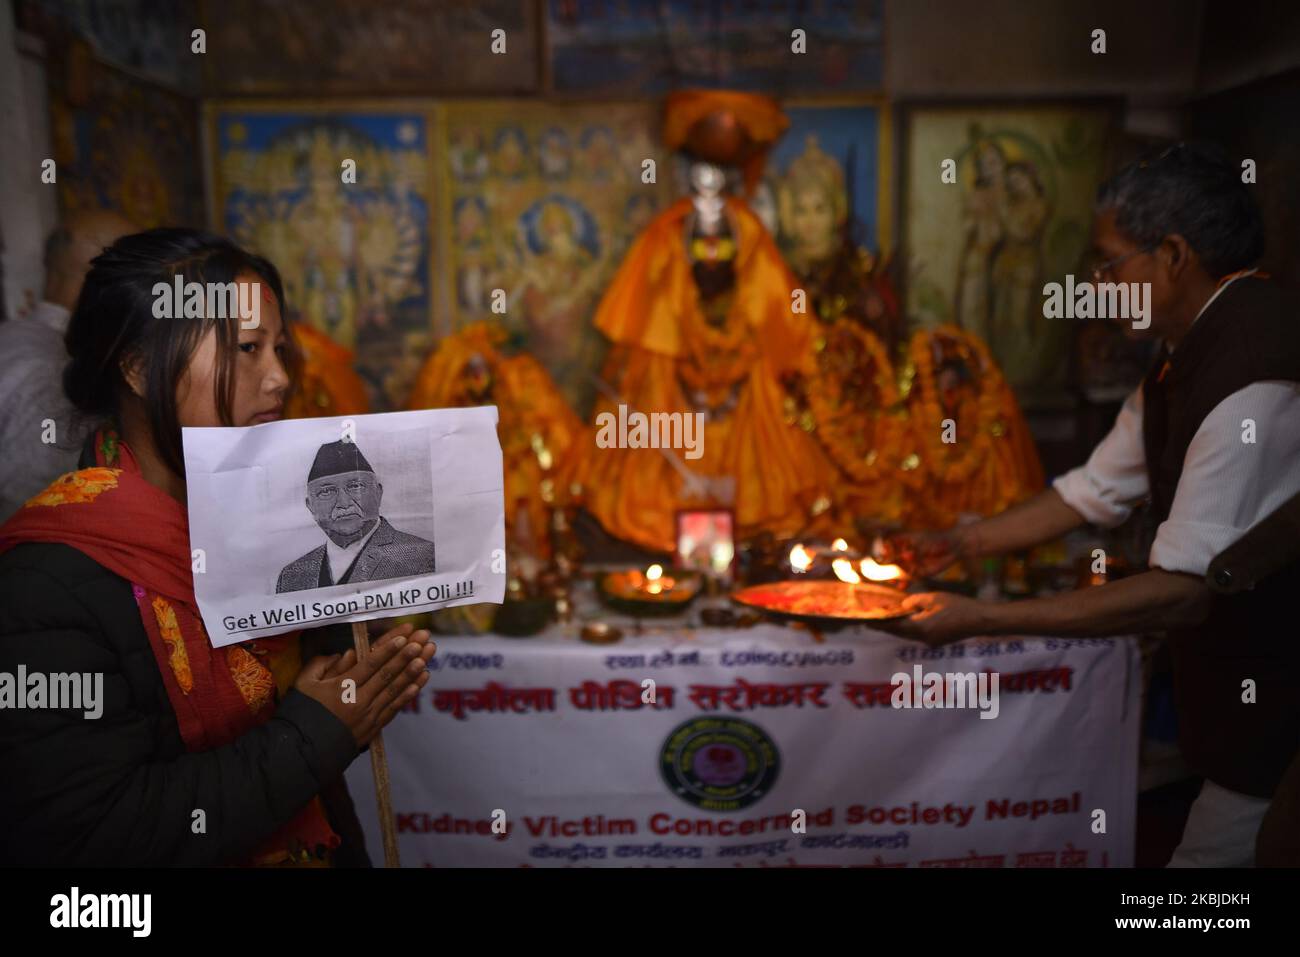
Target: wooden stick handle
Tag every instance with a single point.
(379, 765)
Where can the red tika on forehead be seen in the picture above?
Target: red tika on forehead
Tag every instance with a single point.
(267, 295)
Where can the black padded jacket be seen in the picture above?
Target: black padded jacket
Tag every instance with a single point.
(121, 790)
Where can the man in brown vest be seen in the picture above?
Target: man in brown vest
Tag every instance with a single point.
(1266, 549)
(1211, 440)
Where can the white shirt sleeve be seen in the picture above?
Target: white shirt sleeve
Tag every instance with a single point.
(1106, 488)
(1230, 482)
(31, 392)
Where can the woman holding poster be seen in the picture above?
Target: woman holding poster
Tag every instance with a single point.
(125, 737)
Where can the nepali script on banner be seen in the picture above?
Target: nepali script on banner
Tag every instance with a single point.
(553, 742)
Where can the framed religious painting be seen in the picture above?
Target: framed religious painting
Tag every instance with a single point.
(982, 235)
(151, 40)
(541, 203)
(650, 47)
(341, 199)
(828, 179)
(126, 145)
(345, 48)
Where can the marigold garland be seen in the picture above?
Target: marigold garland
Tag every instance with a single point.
(956, 461)
(838, 419)
(537, 430)
(719, 357)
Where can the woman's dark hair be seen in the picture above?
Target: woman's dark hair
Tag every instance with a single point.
(113, 325)
(1194, 190)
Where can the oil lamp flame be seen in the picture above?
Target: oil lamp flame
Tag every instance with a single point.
(874, 571)
(654, 572)
(800, 558)
(843, 569)
(839, 545)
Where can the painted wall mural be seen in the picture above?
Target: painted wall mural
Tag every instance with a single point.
(542, 203)
(979, 251)
(356, 257)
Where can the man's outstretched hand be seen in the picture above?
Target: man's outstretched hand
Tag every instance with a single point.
(938, 618)
(922, 554)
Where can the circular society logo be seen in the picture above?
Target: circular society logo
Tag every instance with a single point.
(719, 764)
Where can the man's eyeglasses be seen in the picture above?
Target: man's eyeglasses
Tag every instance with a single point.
(355, 487)
(1101, 269)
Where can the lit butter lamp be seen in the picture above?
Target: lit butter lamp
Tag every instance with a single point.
(653, 588)
(655, 582)
(801, 559)
(651, 584)
(846, 565)
(804, 558)
(869, 570)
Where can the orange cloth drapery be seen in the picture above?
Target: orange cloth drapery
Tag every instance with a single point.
(760, 117)
(327, 383)
(652, 315)
(539, 433)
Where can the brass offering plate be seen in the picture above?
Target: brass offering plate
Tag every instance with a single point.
(814, 601)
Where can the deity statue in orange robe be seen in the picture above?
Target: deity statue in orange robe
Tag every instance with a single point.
(976, 452)
(701, 320)
(537, 429)
(327, 384)
(851, 406)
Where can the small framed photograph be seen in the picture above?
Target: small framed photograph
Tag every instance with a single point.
(706, 542)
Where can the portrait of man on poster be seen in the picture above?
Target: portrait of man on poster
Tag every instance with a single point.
(344, 496)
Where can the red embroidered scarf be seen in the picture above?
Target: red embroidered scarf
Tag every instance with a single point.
(139, 532)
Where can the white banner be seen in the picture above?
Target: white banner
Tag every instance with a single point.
(301, 523)
(763, 748)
